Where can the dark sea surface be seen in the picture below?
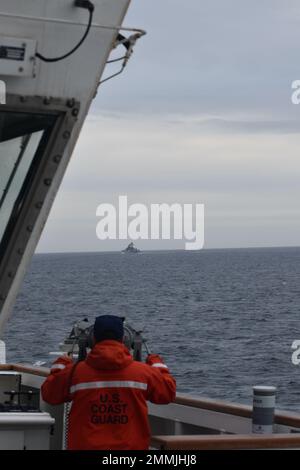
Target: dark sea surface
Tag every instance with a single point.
(224, 320)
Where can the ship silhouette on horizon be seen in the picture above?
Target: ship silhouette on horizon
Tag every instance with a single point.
(131, 248)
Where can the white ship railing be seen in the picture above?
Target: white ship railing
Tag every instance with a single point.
(189, 422)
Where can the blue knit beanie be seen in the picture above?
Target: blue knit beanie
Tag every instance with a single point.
(108, 327)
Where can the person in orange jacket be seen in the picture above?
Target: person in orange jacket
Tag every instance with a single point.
(109, 392)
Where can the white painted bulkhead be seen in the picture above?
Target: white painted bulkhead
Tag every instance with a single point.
(56, 26)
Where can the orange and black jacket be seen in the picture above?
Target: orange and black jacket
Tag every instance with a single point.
(109, 393)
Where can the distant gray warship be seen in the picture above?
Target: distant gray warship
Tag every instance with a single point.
(131, 248)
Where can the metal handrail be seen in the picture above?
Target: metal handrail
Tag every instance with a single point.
(226, 442)
(286, 418)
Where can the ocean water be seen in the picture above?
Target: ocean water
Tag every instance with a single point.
(223, 320)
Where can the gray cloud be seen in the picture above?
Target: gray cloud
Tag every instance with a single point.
(241, 126)
(209, 56)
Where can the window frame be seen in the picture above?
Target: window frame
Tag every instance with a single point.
(51, 158)
(26, 133)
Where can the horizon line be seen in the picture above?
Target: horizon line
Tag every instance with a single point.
(171, 250)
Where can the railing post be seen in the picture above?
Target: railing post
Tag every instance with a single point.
(263, 409)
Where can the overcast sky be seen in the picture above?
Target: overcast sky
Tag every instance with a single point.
(202, 114)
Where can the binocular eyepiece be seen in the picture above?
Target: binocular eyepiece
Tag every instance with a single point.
(81, 339)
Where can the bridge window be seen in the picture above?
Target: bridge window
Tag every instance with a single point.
(21, 136)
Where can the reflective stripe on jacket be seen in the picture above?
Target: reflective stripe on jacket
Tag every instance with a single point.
(109, 391)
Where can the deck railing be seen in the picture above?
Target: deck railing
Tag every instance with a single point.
(287, 422)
